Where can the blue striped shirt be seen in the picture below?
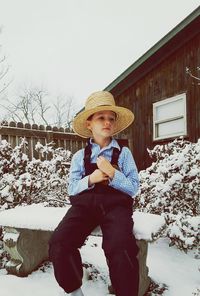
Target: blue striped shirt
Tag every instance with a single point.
(125, 180)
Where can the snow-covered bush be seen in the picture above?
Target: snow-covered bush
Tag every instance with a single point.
(4, 256)
(24, 181)
(171, 187)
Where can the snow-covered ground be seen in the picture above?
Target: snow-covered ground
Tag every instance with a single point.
(167, 265)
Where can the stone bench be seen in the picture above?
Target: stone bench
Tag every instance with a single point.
(27, 230)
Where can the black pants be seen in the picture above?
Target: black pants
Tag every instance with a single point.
(113, 213)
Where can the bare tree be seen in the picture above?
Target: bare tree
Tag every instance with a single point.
(3, 71)
(42, 107)
(4, 81)
(4, 68)
(64, 111)
(30, 107)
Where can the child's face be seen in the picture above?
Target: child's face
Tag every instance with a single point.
(102, 124)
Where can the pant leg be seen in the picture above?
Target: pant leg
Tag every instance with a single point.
(121, 250)
(64, 243)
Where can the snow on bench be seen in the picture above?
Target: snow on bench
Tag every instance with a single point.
(27, 230)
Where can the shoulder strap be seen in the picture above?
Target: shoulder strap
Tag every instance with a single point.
(116, 153)
(87, 155)
(88, 152)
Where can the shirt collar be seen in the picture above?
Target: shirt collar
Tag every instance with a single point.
(113, 144)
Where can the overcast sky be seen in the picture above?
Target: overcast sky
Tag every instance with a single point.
(75, 47)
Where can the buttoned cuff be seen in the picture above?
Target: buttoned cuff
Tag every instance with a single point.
(116, 179)
(86, 183)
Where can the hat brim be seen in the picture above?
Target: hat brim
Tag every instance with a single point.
(124, 118)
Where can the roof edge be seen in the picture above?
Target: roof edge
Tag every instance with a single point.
(184, 23)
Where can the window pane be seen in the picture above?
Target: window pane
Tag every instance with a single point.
(170, 109)
(171, 128)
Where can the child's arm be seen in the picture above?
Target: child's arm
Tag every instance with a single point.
(97, 176)
(125, 180)
(105, 166)
(76, 182)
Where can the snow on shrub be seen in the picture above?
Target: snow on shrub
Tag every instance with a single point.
(4, 256)
(24, 181)
(171, 187)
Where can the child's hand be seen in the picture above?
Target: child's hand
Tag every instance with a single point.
(105, 166)
(97, 176)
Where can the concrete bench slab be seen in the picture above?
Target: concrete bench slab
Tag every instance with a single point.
(27, 230)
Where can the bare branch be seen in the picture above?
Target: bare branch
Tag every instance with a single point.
(39, 98)
(189, 72)
(64, 110)
(4, 68)
(2, 59)
(13, 112)
(5, 86)
(29, 106)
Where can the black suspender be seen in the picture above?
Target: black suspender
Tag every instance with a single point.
(115, 156)
(88, 152)
(87, 156)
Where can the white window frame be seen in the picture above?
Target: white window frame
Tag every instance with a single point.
(169, 119)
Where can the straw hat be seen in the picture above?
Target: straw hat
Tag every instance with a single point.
(101, 101)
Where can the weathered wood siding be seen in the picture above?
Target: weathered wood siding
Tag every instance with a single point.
(167, 79)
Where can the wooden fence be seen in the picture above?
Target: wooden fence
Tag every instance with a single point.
(13, 132)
